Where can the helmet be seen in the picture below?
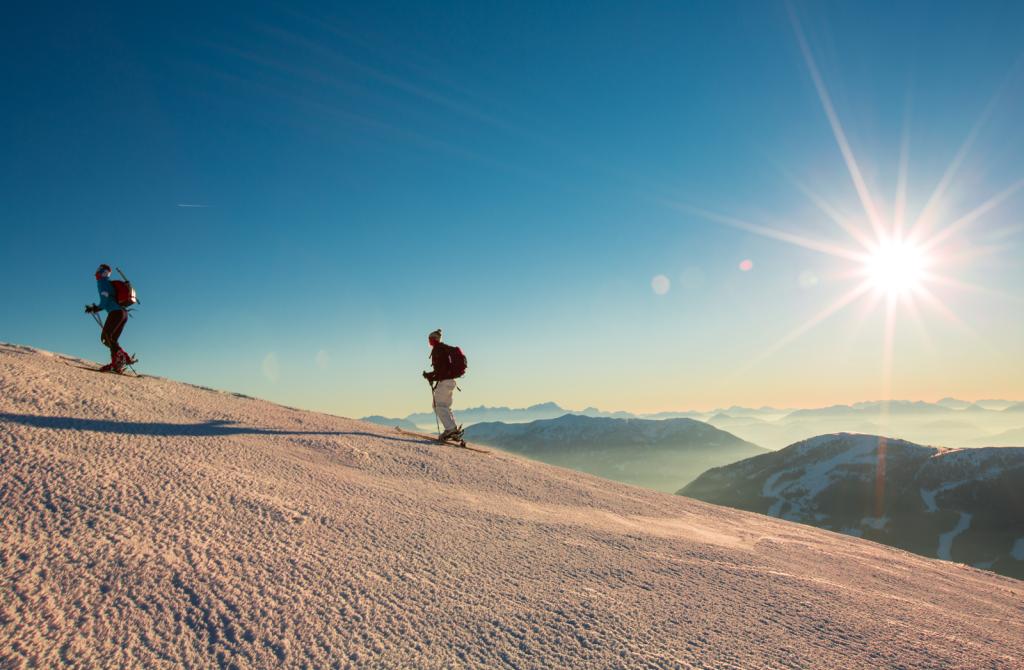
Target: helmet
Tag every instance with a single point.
(434, 337)
(102, 271)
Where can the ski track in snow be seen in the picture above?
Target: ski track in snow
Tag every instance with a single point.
(876, 522)
(149, 523)
(929, 497)
(817, 477)
(1018, 549)
(946, 539)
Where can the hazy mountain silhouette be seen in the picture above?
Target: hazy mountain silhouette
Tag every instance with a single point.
(658, 454)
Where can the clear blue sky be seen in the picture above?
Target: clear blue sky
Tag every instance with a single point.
(301, 193)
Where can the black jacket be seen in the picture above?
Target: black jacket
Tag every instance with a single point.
(440, 359)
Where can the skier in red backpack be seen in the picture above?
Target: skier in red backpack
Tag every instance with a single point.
(117, 317)
(449, 363)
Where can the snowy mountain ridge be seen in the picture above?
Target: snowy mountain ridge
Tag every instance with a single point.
(955, 504)
(661, 454)
(578, 429)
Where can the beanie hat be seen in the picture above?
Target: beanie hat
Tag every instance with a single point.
(436, 335)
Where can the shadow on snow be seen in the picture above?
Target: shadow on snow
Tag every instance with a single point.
(213, 428)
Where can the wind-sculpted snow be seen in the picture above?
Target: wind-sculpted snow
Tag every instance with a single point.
(152, 524)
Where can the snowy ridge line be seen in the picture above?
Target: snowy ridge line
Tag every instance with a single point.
(958, 505)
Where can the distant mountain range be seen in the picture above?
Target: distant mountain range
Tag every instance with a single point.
(965, 505)
(658, 454)
(950, 422)
(550, 410)
(471, 415)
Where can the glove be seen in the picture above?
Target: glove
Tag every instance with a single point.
(426, 375)
(92, 309)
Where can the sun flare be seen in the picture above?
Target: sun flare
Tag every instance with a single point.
(899, 260)
(896, 267)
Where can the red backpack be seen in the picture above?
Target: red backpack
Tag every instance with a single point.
(457, 362)
(124, 294)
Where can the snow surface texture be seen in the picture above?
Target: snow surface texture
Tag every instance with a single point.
(149, 523)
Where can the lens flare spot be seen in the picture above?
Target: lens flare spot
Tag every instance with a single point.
(746, 265)
(270, 367)
(322, 359)
(660, 284)
(807, 279)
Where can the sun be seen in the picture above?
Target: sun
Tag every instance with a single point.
(899, 260)
(896, 267)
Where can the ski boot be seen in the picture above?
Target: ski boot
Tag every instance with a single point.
(120, 361)
(453, 435)
(112, 366)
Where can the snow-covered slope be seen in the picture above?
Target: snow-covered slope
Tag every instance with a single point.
(955, 504)
(151, 524)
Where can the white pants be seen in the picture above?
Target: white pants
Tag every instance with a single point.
(443, 392)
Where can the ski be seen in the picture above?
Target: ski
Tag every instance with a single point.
(433, 438)
(105, 372)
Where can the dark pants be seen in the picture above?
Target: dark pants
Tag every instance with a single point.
(112, 330)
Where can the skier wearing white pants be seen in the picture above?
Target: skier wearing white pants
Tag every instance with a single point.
(443, 391)
(449, 363)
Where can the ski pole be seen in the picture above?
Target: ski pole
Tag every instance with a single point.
(433, 404)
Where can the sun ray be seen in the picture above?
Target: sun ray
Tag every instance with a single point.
(972, 216)
(925, 218)
(868, 305)
(831, 212)
(836, 306)
(849, 273)
(837, 128)
(900, 208)
(1005, 231)
(974, 253)
(765, 231)
(943, 280)
(936, 304)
